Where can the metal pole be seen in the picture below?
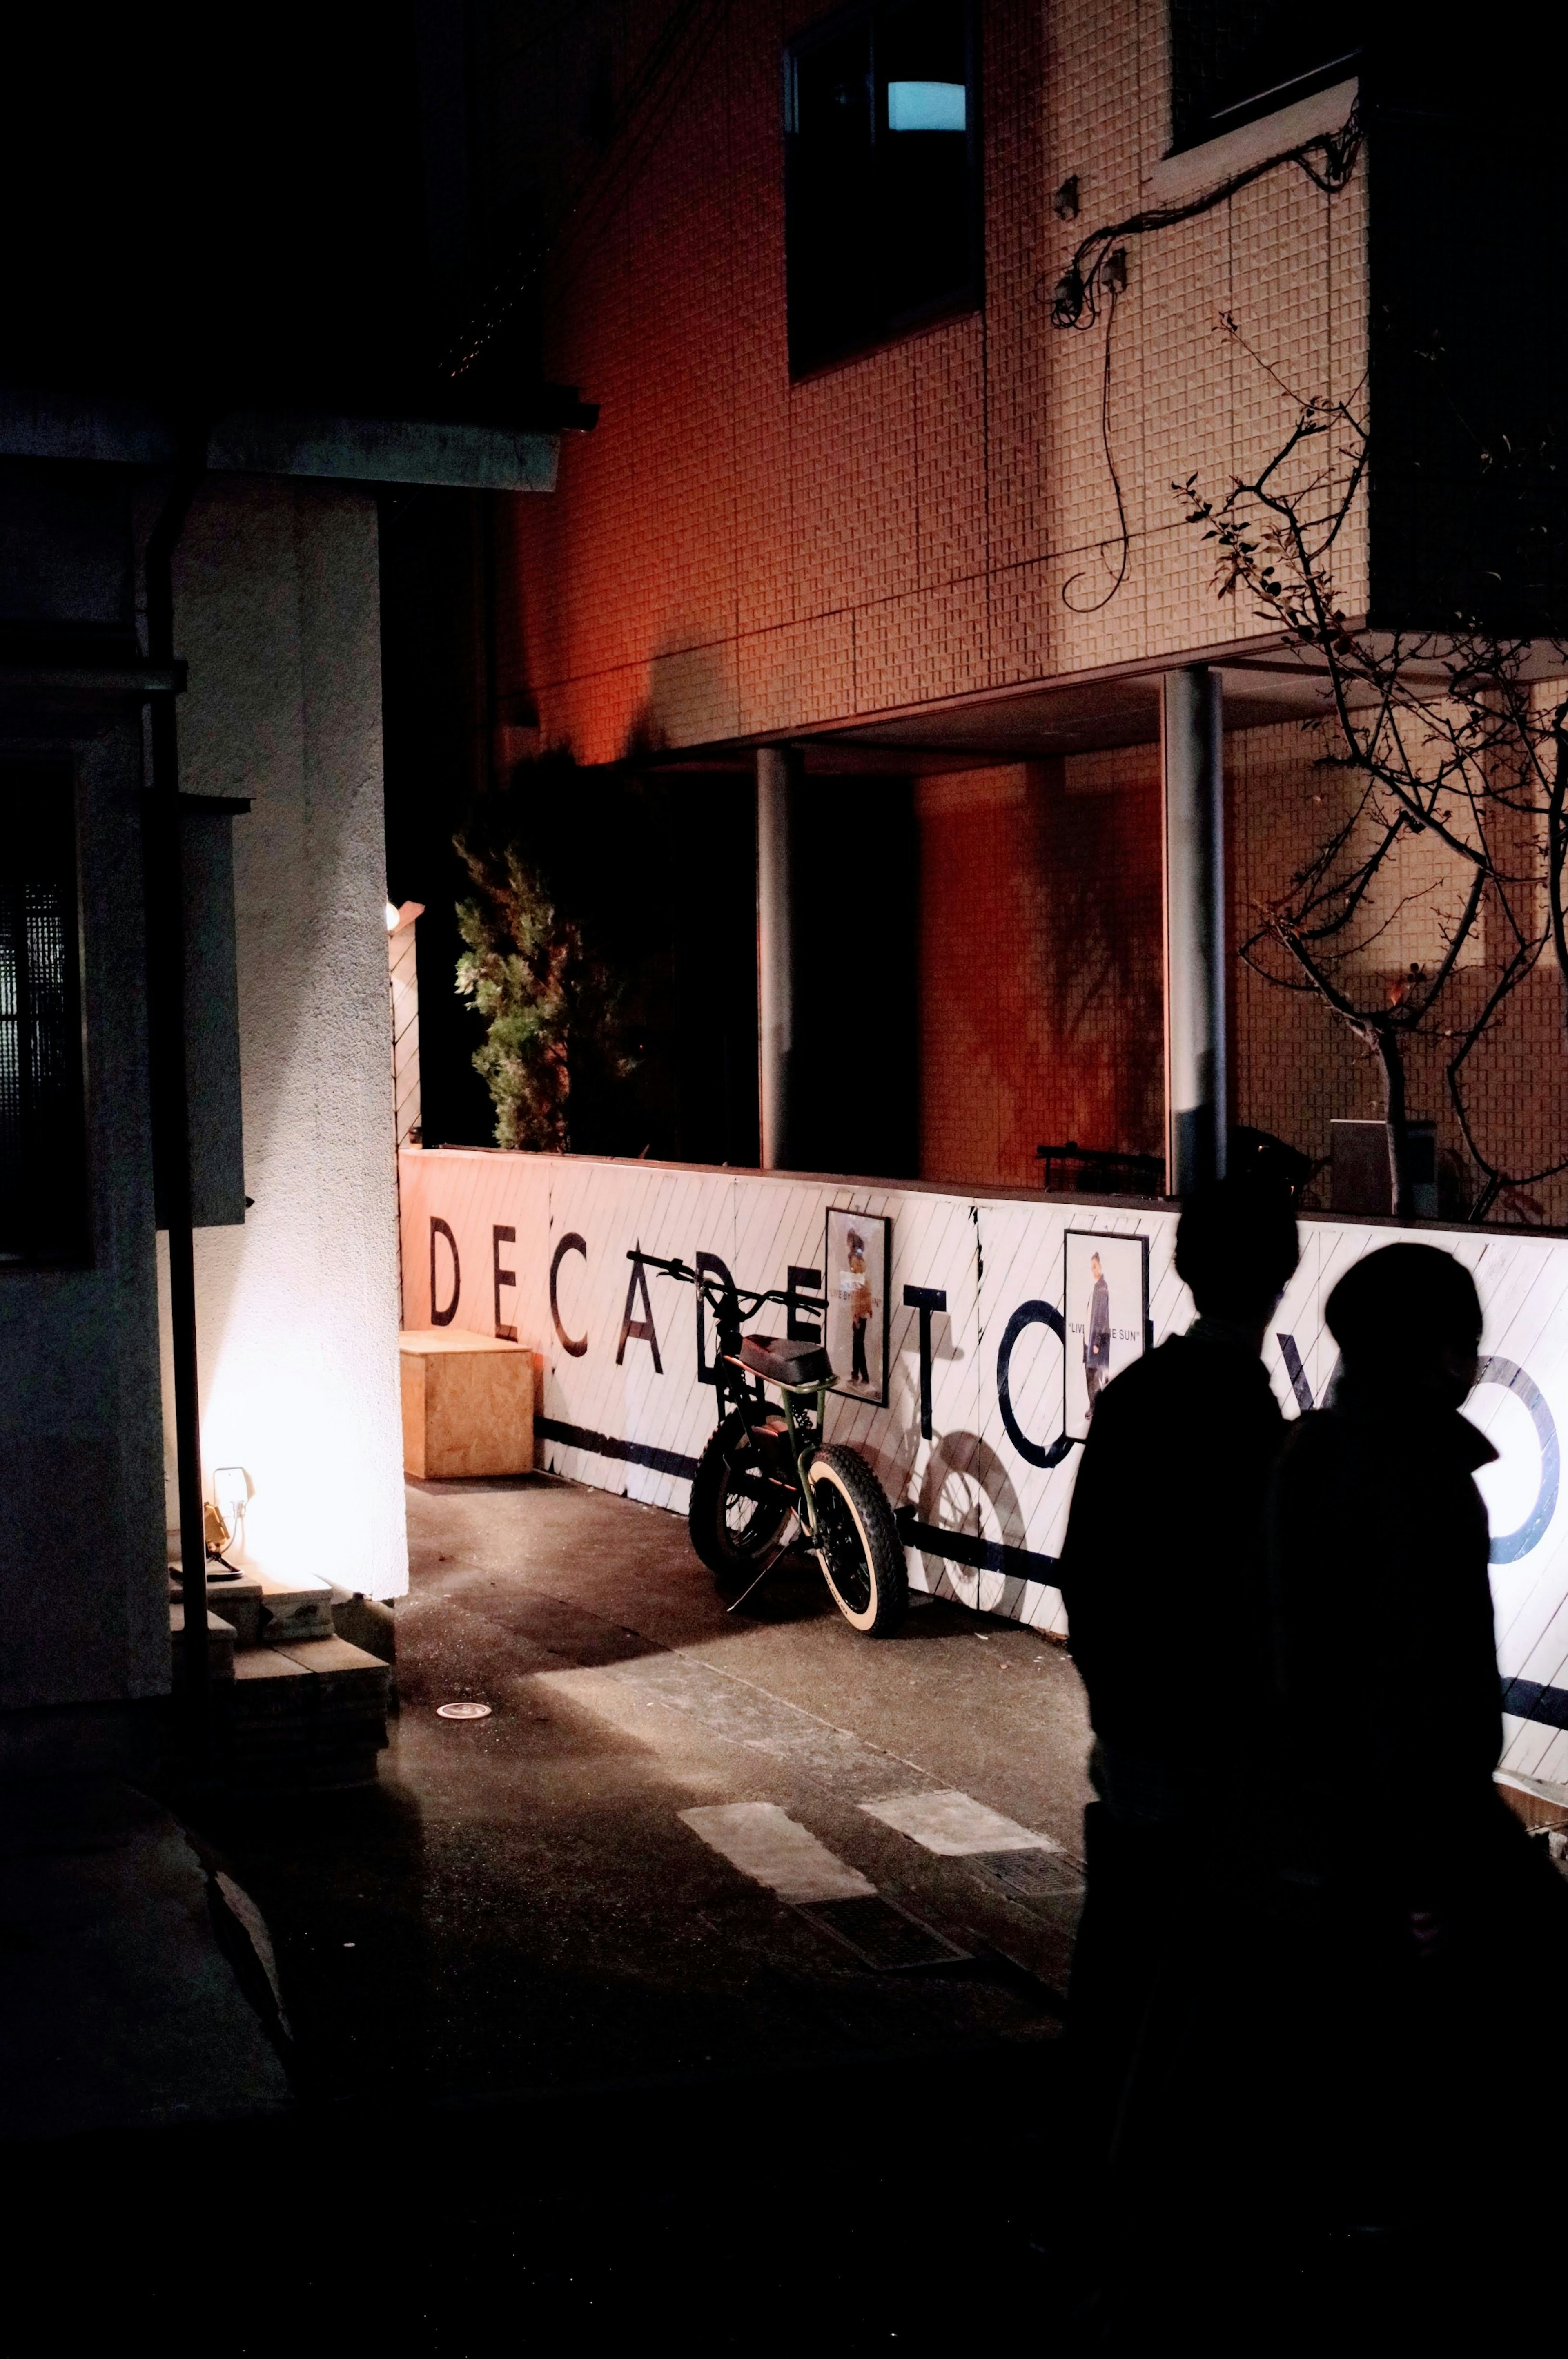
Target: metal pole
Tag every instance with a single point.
(172, 1140)
(776, 979)
(1191, 749)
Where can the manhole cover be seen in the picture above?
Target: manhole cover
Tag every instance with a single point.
(880, 1933)
(462, 1712)
(1045, 1882)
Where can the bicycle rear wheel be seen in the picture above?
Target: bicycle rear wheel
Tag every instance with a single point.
(734, 1513)
(858, 1543)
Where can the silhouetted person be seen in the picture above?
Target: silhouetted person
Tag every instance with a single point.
(1163, 1571)
(1425, 1921)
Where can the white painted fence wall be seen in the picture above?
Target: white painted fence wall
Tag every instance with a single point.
(537, 1244)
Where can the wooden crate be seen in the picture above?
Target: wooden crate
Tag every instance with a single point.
(468, 1404)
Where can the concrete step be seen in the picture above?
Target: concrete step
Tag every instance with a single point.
(292, 1610)
(311, 1712)
(239, 1601)
(267, 1612)
(220, 1646)
(366, 1621)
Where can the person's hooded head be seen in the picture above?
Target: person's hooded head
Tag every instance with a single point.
(1408, 1323)
(1237, 1248)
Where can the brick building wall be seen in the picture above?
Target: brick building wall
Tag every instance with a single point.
(1295, 1067)
(732, 554)
(1040, 977)
(1040, 965)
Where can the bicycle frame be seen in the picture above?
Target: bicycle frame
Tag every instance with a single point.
(804, 1405)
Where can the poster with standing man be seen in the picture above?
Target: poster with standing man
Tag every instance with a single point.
(858, 1255)
(1107, 1307)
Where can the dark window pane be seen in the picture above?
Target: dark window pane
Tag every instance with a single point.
(1234, 61)
(923, 70)
(42, 1149)
(832, 256)
(883, 186)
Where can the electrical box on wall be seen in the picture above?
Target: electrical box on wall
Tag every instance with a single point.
(212, 1013)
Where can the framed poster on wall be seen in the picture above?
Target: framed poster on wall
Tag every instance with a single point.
(1107, 1307)
(857, 1262)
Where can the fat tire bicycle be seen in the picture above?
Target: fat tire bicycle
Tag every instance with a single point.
(766, 1481)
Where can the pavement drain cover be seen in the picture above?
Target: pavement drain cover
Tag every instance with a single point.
(462, 1712)
(1041, 1880)
(882, 1934)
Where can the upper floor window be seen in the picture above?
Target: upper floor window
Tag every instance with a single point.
(882, 162)
(43, 1172)
(1234, 61)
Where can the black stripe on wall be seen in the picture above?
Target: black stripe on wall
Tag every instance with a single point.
(606, 1445)
(968, 1548)
(1527, 1699)
(1524, 1699)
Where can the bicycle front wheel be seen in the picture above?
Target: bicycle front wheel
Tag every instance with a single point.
(858, 1543)
(735, 1512)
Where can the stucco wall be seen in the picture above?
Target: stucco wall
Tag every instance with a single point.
(276, 612)
(730, 554)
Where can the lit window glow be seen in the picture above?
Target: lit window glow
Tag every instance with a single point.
(926, 106)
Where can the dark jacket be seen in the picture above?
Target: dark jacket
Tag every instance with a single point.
(1096, 1336)
(1163, 1564)
(1386, 1652)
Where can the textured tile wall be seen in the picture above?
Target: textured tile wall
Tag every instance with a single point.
(1041, 978)
(1296, 1067)
(730, 554)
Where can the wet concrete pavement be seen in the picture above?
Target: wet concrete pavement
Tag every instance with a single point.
(564, 2070)
(566, 2074)
(521, 1907)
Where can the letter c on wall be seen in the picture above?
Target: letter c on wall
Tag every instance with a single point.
(1509, 1546)
(571, 1243)
(1028, 1314)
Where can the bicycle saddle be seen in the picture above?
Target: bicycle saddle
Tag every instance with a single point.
(779, 1361)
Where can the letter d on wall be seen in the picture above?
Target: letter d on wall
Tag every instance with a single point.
(444, 1317)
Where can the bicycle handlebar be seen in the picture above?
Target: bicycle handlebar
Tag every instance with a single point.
(715, 1287)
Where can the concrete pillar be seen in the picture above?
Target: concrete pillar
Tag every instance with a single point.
(1192, 767)
(775, 959)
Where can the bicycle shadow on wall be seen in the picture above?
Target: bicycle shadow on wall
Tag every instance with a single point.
(965, 1489)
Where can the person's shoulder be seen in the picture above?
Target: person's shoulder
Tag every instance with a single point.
(1317, 1444)
(1170, 1363)
(1145, 1382)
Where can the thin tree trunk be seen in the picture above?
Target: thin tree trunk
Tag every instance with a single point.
(1556, 852)
(1391, 1056)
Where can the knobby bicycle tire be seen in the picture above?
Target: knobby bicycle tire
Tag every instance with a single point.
(861, 1553)
(731, 1558)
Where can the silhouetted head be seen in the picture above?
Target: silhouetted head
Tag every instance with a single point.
(1409, 1317)
(1236, 1247)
